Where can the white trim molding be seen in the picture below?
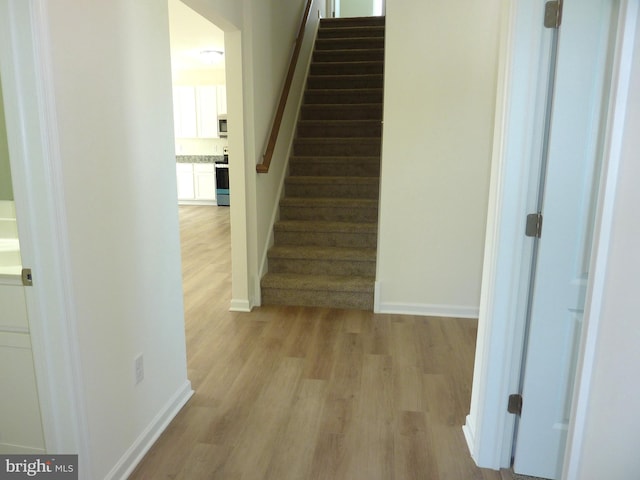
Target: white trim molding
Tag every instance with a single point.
(240, 305)
(36, 171)
(522, 80)
(148, 437)
(620, 81)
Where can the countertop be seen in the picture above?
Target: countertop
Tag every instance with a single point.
(198, 158)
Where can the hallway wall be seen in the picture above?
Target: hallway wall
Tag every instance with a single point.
(112, 91)
(440, 87)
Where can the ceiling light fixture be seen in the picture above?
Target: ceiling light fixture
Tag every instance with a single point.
(211, 56)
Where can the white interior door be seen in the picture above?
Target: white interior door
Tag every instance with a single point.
(563, 253)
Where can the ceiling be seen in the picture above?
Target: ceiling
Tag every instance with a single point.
(191, 34)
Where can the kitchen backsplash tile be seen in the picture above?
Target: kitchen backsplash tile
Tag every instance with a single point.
(198, 158)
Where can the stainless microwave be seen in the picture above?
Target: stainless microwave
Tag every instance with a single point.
(222, 125)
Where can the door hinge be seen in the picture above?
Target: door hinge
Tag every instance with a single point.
(27, 279)
(515, 404)
(534, 225)
(553, 14)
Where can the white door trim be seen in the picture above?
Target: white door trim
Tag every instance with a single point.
(39, 199)
(621, 71)
(489, 429)
(517, 150)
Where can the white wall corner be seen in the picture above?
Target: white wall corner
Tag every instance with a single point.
(149, 435)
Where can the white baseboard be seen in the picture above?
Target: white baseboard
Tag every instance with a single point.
(469, 436)
(148, 437)
(427, 310)
(197, 202)
(240, 305)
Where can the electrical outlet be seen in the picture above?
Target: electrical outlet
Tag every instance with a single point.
(138, 367)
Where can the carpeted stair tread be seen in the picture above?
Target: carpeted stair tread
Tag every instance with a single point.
(349, 43)
(350, 21)
(331, 283)
(347, 68)
(311, 180)
(328, 202)
(349, 54)
(325, 227)
(326, 233)
(326, 31)
(344, 112)
(323, 253)
(332, 186)
(346, 81)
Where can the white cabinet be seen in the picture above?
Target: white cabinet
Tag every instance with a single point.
(222, 99)
(20, 420)
(204, 177)
(184, 175)
(207, 111)
(195, 111)
(184, 112)
(196, 182)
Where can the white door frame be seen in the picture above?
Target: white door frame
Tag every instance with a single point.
(39, 200)
(489, 428)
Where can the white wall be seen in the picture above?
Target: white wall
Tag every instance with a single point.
(6, 190)
(112, 88)
(610, 440)
(440, 87)
(356, 8)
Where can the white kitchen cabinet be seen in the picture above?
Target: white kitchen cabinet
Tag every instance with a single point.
(196, 183)
(184, 175)
(207, 111)
(195, 111)
(204, 177)
(20, 419)
(222, 99)
(184, 112)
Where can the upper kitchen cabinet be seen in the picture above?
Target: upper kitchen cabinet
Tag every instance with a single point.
(207, 111)
(222, 99)
(184, 112)
(195, 111)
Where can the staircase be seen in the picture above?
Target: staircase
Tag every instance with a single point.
(324, 252)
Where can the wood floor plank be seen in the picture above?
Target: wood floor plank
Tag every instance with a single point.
(298, 393)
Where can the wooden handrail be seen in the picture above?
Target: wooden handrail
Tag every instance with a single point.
(275, 128)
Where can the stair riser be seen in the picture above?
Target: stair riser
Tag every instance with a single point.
(344, 131)
(352, 22)
(326, 239)
(347, 68)
(355, 148)
(351, 32)
(343, 97)
(311, 298)
(332, 191)
(322, 267)
(349, 43)
(351, 169)
(376, 55)
(345, 81)
(330, 214)
(348, 112)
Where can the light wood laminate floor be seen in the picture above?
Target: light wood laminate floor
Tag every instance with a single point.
(299, 393)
